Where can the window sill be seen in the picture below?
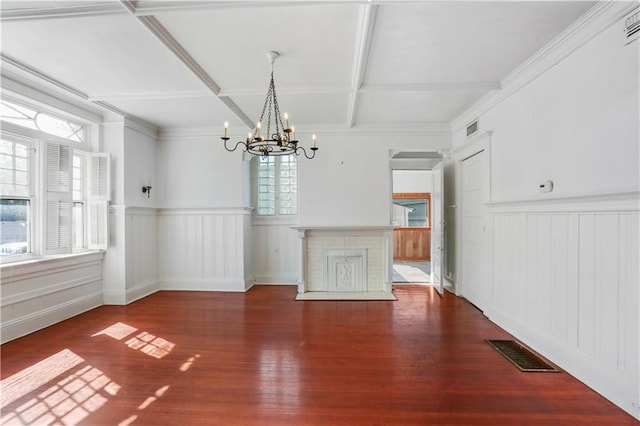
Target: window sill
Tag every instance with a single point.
(275, 220)
(40, 264)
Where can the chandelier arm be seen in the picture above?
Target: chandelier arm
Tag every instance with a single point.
(245, 146)
(304, 151)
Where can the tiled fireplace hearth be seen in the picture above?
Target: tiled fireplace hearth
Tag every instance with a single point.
(345, 263)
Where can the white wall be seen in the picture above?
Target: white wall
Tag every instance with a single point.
(564, 272)
(139, 168)
(412, 181)
(348, 183)
(576, 124)
(197, 172)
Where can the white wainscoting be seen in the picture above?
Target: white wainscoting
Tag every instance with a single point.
(275, 253)
(42, 292)
(204, 249)
(565, 278)
(131, 263)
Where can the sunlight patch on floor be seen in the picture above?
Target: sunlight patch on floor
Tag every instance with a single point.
(68, 402)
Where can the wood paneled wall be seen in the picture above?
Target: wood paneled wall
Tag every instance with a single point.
(412, 244)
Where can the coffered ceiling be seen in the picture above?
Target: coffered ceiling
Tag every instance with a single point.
(352, 64)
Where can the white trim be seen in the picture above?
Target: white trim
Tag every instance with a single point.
(44, 99)
(591, 203)
(432, 87)
(48, 264)
(410, 130)
(87, 9)
(35, 321)
(342, 228)
(593, 22)
(608, 382)
(204, 284)
(130, 295)
(276, 279)
(205, 211)
(476, 144)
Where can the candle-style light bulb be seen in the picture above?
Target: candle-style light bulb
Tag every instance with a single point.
(315, 142)
(286, 120)
(249, 137)
(226, 128)
(293, 133)
(259, 126)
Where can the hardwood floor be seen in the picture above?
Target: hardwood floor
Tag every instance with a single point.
(261, 358)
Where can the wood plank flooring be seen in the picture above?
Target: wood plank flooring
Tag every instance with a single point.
(261, 358)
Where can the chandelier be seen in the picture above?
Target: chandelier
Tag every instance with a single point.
(283, 139)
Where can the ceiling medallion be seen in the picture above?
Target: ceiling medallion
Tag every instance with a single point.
(283, 140)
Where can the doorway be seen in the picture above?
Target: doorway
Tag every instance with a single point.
(411, 217)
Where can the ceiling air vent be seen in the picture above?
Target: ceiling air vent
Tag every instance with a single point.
(472, 128)
(632, 26)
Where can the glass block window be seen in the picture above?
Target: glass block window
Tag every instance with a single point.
(277, 185)
(288, 185)
(36, 120)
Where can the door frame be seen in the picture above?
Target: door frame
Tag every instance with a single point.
(477, 144)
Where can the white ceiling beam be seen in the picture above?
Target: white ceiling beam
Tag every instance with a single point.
(367, 23)
(163, 35)
(432, 87)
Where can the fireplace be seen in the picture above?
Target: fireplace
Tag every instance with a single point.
(345, 262)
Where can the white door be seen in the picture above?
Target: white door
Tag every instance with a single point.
(437, 224)
(475, 193)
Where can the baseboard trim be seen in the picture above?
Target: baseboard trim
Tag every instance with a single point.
(609, 382)
(35, 321)
(211, 284)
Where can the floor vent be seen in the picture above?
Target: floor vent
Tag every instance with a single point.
(521, 357)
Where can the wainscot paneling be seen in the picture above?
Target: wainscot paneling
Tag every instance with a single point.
(131, 263)
(565, 280)
(141, 229)
(204, 249)
(275, 253)
(42, 292)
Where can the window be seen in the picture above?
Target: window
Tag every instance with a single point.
(54, 193)
(16, 197)
(411, 210)
(28, 117)
(277, 185)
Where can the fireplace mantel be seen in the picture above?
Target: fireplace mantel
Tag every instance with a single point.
(345, 262)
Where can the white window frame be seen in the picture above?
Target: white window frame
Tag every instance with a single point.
(46, 193)
(32, 231)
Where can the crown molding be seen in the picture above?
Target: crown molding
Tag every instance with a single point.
(593, 22)
(147, 96)
(32, 84)
(406, 129)
(56, 12)
(13, 85)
